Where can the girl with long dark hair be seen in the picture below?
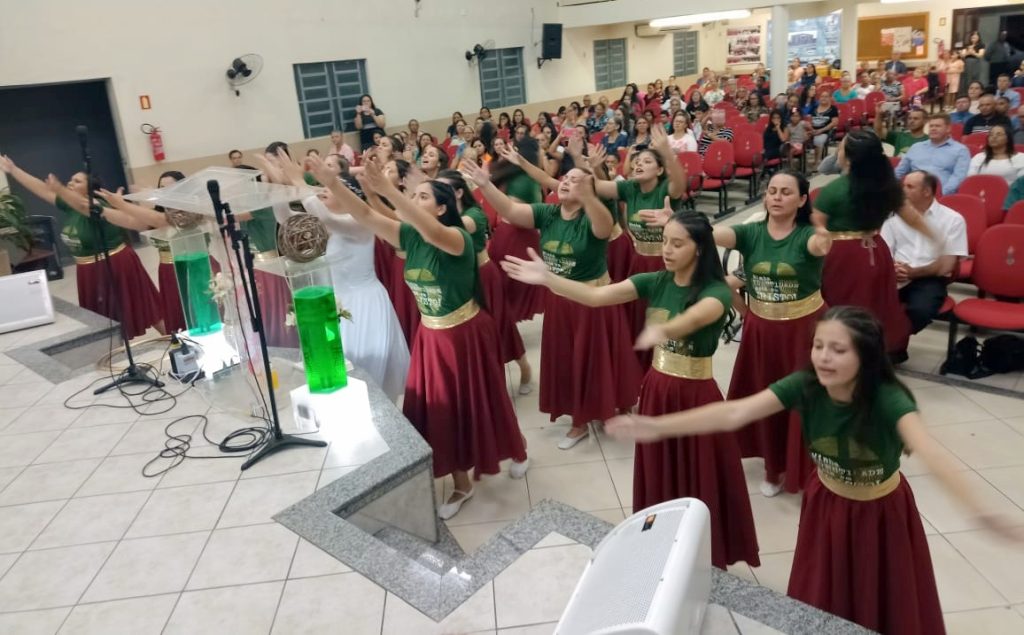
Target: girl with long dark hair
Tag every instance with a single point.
(852, 208)
(861, 552)
(588, 370)
(455, 395)
(476, 223)
(999, 157)
(690, 287)
(131, 297)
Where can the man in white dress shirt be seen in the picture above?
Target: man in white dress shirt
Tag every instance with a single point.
(923, 268)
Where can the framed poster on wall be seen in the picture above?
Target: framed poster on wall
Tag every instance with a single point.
(880, 36)
(743, 45)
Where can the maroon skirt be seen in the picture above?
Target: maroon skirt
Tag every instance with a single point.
(706, 467)
(456, 398)
(866, 561)
(636, 311)
(403, 301)
(770, 350)
(620, 257)
(524, 301)
(138, 301)
(170, 301)
(512, 347)
(873, 287)
(275, 303)
(587, 366)
(383, 252)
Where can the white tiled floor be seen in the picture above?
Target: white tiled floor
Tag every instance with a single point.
(88, 545)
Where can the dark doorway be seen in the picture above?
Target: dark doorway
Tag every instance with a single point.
(37, 130)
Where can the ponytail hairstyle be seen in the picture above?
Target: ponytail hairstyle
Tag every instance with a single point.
(875, 368)
(455, 179)
(875, 191)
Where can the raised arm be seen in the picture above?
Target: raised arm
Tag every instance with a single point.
(146, 217)
(546, 180)
(534, 271)
(32, 184)
(519, 214)
(601, 220)
(677, 179)
(724, 416)
(346, 201)
(448, 239)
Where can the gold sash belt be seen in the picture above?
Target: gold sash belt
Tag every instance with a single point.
(463, 314)
(786, 310)
(482, 258)
(265, 256)
(88, 260)
(851, 235)
(647, 249)
(165, 257)
(682, 366)
(860, 492)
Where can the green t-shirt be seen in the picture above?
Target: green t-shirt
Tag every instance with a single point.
(524, 188)
(828, 429)
(440, 282)
(665, 300)
(834, 201)
(310, 179)
(636, 200)
(569, 247)
(79, 232)
(482, 228)
(778, 270)
(901, 140)
(262, 230)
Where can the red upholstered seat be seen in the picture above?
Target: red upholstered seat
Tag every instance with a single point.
(972, 209)
(957, 131)
(691, 162)
(989, 188)
(1015, 215)
(748, 149)
(991, 314)
(719, 170)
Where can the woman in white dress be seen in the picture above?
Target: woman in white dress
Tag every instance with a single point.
(372, 339)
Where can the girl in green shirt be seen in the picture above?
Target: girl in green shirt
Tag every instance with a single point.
(455, 393)
(588, 370)
(136, 303)
(690, 287)
(861, 551)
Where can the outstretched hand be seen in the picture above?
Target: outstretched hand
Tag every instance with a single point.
(476, 173)
(633, 428)
(584, 188)
(510, 154)
(116, 199)
(532, 271)
(659, 139)
(54, 184)
(320, 170)
(375, 179)
(657, 217)
(6, 164)
(652, 335)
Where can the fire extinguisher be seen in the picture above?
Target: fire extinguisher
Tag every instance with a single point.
(155, 141)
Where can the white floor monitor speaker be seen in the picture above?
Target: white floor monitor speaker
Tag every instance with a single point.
(650, 576)
(24, 301)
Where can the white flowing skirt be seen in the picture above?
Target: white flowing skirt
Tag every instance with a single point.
(373, 339)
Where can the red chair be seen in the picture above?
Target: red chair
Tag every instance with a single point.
(895, 160)
(762, 123)
(956, 131)
(989, 188)
(748, 152)
(691, 162)
(719, 167)
(552, 198)
(1015, 215)
(871, 101)
(998, 273)
(857, 113)
(1020, 91)
(597, 137)
(842, 123)
(813, 195)
(742, 125)
(1018, 147)
(972, 209)
(975, 142)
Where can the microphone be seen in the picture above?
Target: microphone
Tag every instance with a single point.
(213, 187)
(83, 140)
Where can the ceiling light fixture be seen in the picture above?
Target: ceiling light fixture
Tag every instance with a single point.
(698, 18)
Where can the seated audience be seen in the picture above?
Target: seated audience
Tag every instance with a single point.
(999, 157)
(961, 111)
(941, 156)
(986, 117)
(901, 140)
(1003, 89)
(714, 130)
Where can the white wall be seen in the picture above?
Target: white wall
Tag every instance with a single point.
(178, 56)
(647, 58)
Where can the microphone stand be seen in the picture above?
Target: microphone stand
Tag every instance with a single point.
(243, 256)
(132, 374)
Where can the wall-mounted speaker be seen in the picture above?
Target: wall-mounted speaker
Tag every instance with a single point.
(551, 41)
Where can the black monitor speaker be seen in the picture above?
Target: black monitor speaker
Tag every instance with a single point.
(551, 42)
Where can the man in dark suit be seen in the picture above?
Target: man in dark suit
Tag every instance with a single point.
(895, 65)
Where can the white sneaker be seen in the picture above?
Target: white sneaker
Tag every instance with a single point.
(568, 443)
(448, 510)
(518, 468)
(525, 389)
(770, 489)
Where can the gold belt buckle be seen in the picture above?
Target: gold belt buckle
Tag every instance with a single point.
(682, 366)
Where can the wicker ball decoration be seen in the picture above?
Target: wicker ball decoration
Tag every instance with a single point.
(302, 238)
(183, 220)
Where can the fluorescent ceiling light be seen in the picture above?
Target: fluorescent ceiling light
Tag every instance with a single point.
(698, 18)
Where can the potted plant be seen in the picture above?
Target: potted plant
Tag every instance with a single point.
(15, 235)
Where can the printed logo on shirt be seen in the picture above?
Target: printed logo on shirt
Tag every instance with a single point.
(783, 286)
(428, 296)
(558, 256)
(70, 238)
(679, 346)
(861, 467)
(642, 232)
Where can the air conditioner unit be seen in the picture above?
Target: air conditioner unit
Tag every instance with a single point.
(650, 576)
(645, 30)
(26, 301)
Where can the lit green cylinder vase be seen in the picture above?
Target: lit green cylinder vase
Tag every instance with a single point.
(316, 318)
